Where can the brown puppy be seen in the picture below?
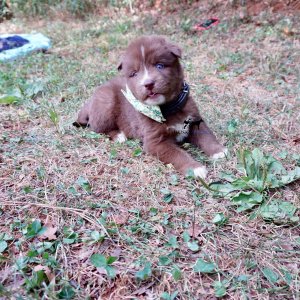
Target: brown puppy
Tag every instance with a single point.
(151, 71)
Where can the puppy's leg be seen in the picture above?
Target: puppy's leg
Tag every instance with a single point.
(83, 115)
(117, 136)
(170, 153)
(101, 110)
(202, 137)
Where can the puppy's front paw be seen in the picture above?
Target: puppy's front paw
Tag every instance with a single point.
(120, 137)
(220, 154)
(200, 172)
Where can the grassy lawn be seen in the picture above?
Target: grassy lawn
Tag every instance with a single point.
(82, 217)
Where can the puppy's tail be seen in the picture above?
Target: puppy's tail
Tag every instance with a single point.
(83, 116)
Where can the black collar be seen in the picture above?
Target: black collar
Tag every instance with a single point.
(177, 104)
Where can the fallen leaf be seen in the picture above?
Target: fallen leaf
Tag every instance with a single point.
(116, 252)
(49, 232)
(46, 270)
(84, 254)
(196, 230)
(121, 218)
(143, 289)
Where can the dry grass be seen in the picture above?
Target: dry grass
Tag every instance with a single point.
(246, 72)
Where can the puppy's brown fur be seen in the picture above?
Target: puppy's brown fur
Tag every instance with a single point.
(151, 69)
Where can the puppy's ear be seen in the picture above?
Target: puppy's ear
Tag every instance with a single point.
(120, 63)
(175, 50)
(120, 66)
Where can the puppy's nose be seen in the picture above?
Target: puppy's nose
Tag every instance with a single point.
(149, 84)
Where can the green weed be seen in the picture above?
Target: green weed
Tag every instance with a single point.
(260, 173)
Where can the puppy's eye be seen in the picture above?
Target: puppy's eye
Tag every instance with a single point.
(133, 74)
(160, 66)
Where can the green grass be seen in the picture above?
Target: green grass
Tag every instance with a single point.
(81, 216)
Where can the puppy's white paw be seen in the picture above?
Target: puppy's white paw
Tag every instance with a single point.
(221, 154)
(200, 172)
(120, 137)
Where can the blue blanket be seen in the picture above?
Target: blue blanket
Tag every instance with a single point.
(16, 45)
(12, 42)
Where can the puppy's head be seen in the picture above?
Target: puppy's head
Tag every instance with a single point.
(152, 69)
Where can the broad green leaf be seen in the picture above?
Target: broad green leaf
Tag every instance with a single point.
(153, 211)
(202, 266)
(193, 245)
(69, 236)
(219, 219)
(232, 125)
(288, 277)
(283, 154)
(174, 179)
(84, 183)
(279, 212)
(32, 253)
(227, 176)
(247, 200)
(186, 236)
(111, 271)
(145, 273)
(3, 246)
(68, 241)
(168, 197)
(111, 259)
(53, 115)
(27, 189)
(176, 273)
(9, 99)
(274, 166)
(34, 88)
(164, 260)
(21, 263)
(41, 172)
(98, 260)
(34, 229)
(271, 275)
(219, 289)
(36, 226)
(190, 174)
(72, 190)
(291, 176)
(113, 153)
(137, 152)
(223, 188)
(167, 296)
(258, 159)
(67, 292)
(243, 278)
(125, 170)
(172, 242)
(95, 235)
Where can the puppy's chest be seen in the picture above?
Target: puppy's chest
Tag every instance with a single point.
(181, 129)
